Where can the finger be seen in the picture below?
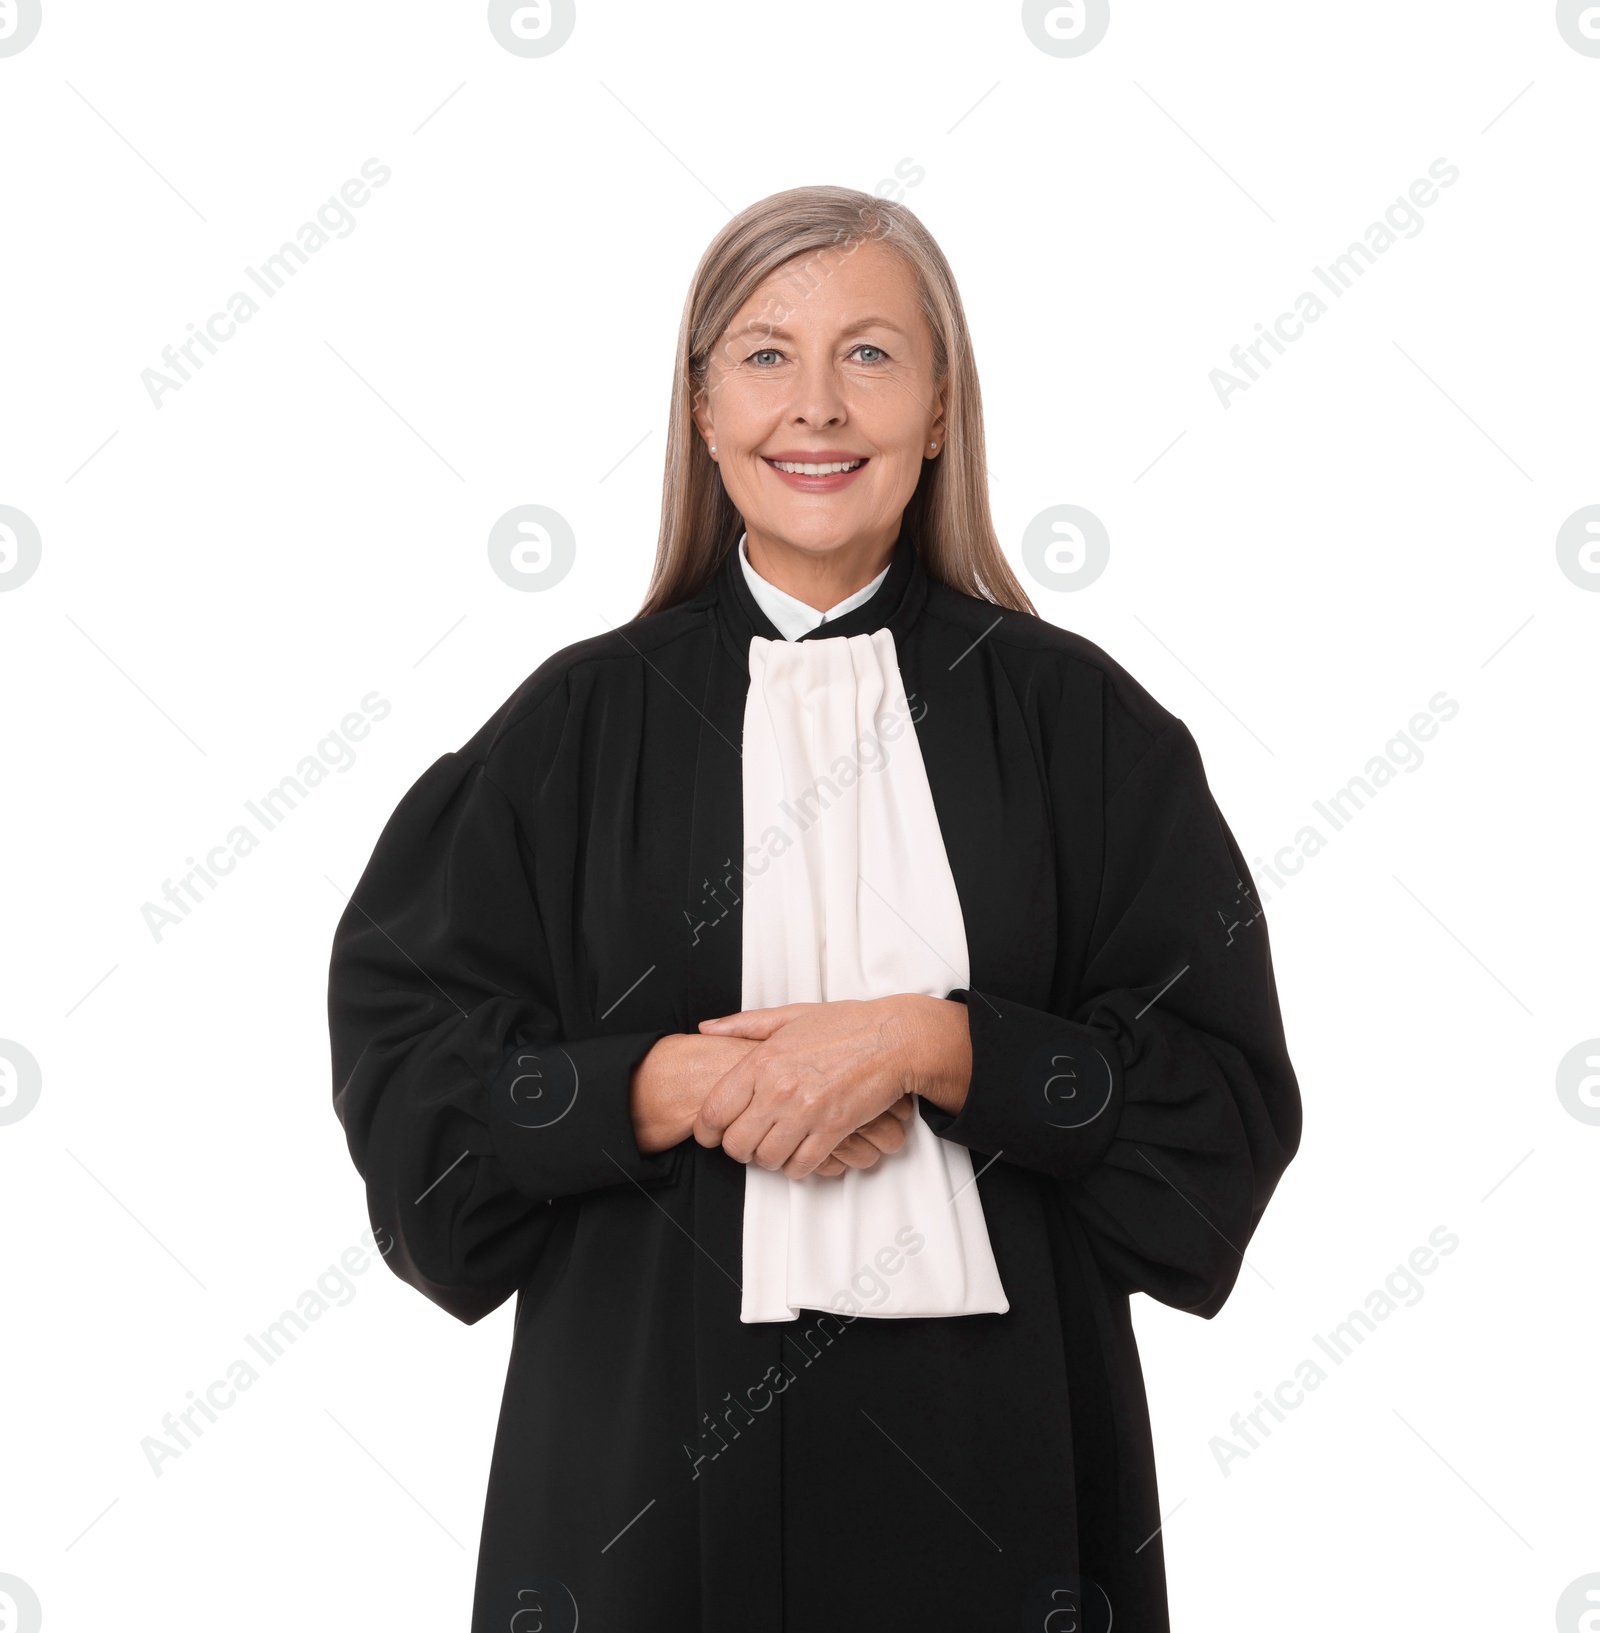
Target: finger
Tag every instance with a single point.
(751, 1023)
(905, 1108)
(831, 1167)
(728, 1099)
(886, 1133)
(775, 1147)
(743, 1138)
(856, 1152)
(809, 1155)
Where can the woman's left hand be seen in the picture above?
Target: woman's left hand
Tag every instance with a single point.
(822, 1071)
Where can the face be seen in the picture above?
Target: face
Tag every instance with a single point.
(830, 362)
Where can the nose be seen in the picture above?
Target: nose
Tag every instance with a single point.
(818, 400)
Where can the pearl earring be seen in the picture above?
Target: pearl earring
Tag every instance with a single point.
(713, 447)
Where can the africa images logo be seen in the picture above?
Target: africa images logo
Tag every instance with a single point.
(1579, 22)
(19, 22)
(532, 30)
(1066, 28)
(20, 548)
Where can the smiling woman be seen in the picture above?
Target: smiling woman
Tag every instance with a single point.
(825, 327)
(822, 1074)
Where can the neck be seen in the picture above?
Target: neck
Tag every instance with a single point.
(821, 578)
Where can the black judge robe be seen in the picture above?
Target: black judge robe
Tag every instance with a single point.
(547, 902)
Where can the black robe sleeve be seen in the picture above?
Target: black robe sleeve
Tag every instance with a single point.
(466, 1110)
(1162, 1098)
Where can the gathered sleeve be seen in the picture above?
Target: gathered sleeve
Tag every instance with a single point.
(468, 1109)
(1161, 1096)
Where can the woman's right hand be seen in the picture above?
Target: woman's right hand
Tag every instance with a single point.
(672, 1080)
(681, 1069)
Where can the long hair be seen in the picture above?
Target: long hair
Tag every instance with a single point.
(947, 516)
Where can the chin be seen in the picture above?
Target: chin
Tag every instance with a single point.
(814, 533)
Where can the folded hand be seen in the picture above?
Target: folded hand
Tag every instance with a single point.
(822, 1073)
(672, 1081)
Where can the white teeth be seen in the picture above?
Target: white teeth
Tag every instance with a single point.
(815, 470)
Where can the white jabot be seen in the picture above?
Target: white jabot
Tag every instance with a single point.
(790, 616)
(848, 894)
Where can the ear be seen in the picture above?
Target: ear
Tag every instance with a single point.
(701, 414)
(937, 428)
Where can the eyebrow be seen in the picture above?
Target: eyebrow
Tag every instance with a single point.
(776, 331)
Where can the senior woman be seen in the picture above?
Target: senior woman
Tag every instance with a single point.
(822, 1001)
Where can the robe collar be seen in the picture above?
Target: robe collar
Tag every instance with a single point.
(893, 606)
(792, 615)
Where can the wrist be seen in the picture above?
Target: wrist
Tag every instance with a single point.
(939, 1051)
(661, 1099)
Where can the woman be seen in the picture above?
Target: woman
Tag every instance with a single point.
(837, 892)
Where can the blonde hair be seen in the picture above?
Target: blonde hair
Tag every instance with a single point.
(948, 513)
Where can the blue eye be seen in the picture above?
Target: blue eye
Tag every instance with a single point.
(766, 351)
(867, 346)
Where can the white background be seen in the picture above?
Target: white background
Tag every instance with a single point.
(305, 522)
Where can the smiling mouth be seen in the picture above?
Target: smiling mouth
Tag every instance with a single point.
(792, 467)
